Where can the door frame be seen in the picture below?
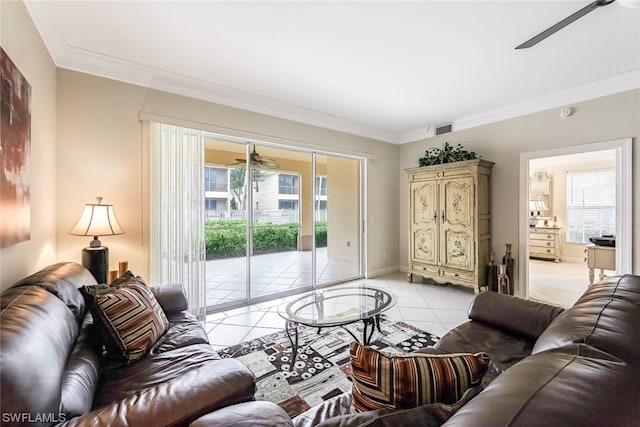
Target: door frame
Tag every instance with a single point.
(624, 202)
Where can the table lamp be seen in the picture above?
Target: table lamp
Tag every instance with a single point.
(97, 220)
(539, 206)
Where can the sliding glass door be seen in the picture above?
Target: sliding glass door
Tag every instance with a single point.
(277, 220)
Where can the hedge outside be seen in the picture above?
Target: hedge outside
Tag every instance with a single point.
(228, 238)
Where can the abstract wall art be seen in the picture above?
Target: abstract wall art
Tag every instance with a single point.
(15, 155)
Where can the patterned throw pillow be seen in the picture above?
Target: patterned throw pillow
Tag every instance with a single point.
(133, 318)
(400, 381)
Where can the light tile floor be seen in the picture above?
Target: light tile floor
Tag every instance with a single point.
(270, 274)
(435, 309)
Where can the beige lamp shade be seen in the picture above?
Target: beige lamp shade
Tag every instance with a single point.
(538, 205)
(97, 220)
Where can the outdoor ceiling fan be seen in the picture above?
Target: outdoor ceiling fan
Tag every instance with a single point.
(569, 19)
(258, 161)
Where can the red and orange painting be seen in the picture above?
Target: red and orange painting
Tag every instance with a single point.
(15, 155)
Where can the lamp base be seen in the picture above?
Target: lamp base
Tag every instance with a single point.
(96, 260)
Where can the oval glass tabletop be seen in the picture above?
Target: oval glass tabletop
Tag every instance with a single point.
(337, 306)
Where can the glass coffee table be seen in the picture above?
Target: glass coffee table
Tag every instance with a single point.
(332, 307)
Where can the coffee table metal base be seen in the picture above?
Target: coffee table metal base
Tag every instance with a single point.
(291, 328)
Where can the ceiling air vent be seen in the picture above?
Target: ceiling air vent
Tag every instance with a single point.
(443, 129)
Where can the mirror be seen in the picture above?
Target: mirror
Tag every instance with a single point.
(540, 191)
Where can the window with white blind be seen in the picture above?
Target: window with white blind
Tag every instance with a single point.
(591, 204)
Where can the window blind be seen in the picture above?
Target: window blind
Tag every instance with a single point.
(591, 204)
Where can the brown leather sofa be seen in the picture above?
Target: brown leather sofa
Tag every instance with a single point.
(51, 374)
(550, 367)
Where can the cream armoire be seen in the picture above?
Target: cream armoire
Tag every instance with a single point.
(450, 222)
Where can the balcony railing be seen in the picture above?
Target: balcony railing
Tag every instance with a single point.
(217, 187)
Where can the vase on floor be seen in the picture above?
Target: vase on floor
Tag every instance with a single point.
(504, 285)
(491, 272)
(508, 262)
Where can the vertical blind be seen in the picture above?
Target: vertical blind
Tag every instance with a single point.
(177, 211)
(591, 204)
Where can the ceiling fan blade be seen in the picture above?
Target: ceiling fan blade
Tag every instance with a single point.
(566, 21)
(268, 163)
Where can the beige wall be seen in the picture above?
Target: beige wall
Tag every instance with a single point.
(100, 152)
(342, 208)
(603, 119)
(23, 45)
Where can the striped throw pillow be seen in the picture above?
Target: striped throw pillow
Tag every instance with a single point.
(400, 381)
(133, 317)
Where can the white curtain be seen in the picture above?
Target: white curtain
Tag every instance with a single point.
(177, 211)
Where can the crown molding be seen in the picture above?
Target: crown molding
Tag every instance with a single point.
(87, 61)
(597, 89)
(51, 33)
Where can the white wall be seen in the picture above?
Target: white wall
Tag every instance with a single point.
(603, 119)
(22, 43)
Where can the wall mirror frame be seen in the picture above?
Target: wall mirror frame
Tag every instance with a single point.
(540, 189)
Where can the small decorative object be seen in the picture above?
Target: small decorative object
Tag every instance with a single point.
(555, 222)
(546, 222)
(508, 262)
(492, 274)
(446, 154)
(113, 275)
(504, 284)
(123, 266)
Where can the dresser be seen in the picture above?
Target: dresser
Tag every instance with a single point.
(545, 243)
(450, 222)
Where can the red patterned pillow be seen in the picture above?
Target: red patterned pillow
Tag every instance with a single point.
(133, 317)
(401, 381)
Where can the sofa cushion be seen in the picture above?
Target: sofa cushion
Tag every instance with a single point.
(400, 381)
(133, 318)
(81, 372)
(171, 297)
(63, 280)
(37, 332)
(569, 386)
(504, 348)
(605, 317)
(516, 315)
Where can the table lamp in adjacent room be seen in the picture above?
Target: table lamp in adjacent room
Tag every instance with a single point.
(97, 220)
(536, 206)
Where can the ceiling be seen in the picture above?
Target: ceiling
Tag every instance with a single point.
(385, 70)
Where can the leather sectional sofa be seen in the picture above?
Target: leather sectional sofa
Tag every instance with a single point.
(550, 367)
(51, 374)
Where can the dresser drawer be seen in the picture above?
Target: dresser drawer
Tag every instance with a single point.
(542, 243)
(542, 236)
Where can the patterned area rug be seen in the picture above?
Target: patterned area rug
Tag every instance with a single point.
(322, 369)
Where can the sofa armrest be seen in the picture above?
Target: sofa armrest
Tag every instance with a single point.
(171, 297)
(513, 314)
(179, 401)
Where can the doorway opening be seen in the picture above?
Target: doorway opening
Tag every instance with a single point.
(568, 196)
